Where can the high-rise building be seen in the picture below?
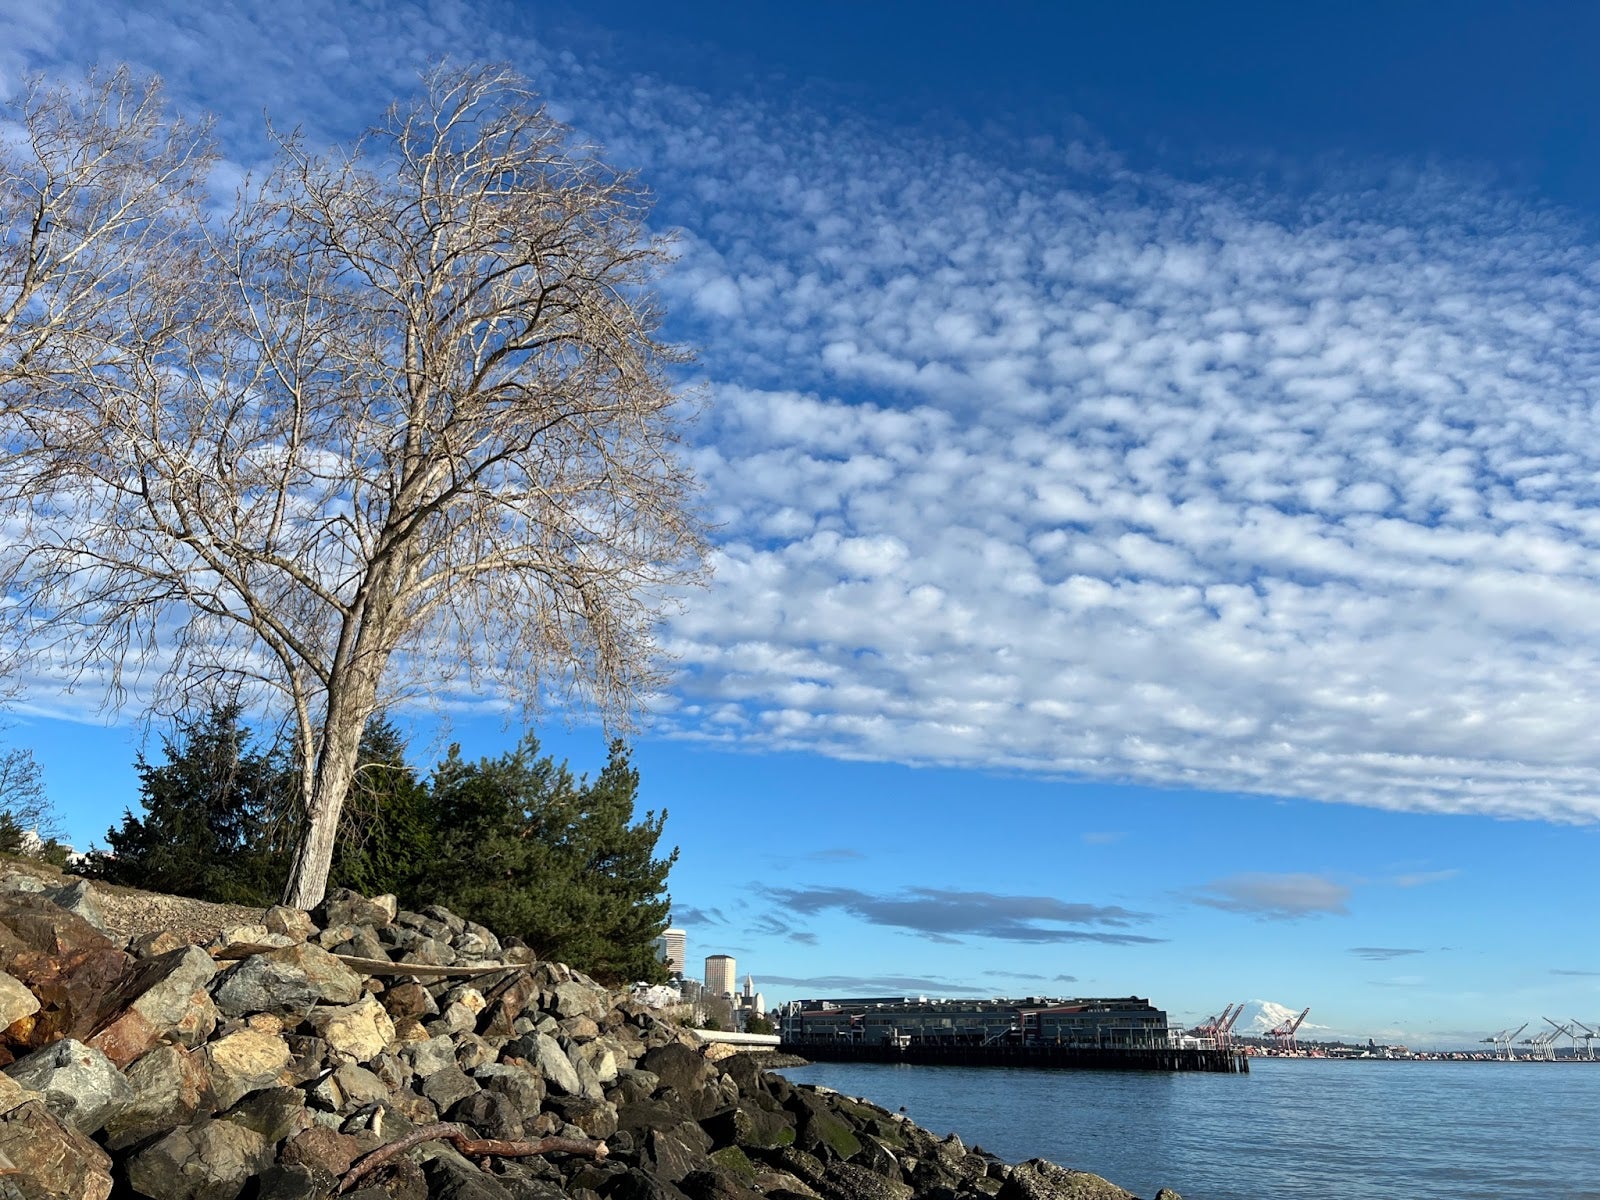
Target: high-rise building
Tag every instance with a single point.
(720, 974)
(671, 949)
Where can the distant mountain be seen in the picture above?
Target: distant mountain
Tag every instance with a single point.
(1262, 1016)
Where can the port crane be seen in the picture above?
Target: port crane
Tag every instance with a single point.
(1588, 1035)
(1544, 1042)
(1284, 1033)
(1219, 1027)
(1226, 1037)
(1502, 1042)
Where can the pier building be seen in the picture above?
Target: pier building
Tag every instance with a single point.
(1125, 1021)
(1116, 1033)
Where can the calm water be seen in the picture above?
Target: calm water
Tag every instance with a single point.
(1291, 1128)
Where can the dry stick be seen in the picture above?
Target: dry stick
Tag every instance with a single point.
(444, 1131)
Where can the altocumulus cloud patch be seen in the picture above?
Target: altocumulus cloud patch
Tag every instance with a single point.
(1029, 463)
(1024, 460)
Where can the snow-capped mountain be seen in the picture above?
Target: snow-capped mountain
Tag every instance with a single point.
(1262, 1016)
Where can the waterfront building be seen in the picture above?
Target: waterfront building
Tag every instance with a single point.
(671, 948)
(1103, 1022)
(720, 974)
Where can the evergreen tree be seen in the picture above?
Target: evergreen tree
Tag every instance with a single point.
(212, 825)
(559, 862)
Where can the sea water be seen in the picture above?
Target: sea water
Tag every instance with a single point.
(1291, 1128)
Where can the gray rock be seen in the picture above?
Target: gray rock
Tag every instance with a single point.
(291, 922)
(275, 1113)
(554, 1065)
(171, 1087)
(1039, 1179)
(473, 1051)
(435, 1054)
(451, 1177)
(244, 1062)
(78, 897)
(445, 917)
(492, 1114)
(490, 942)
(671, 1153)
(344, 907)
(80, 1085)
(847, 1181)
(359, 1087)
(209, 1161)
(363, 943)
(589, 1085)
(580, 1000)
(523, 1087)
(430, 951)
(287, 980)
(634, 1084)
(292, 1181)
(445, 1088)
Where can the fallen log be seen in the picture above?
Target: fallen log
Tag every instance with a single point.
(470, 1146)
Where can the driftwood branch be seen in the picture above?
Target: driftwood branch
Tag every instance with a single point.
(469, 1146)
(376, 966)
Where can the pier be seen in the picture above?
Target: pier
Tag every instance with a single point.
(1001, 1054)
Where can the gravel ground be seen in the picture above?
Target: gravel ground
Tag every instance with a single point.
(130, 912)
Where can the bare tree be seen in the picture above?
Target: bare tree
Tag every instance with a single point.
(27, 818)
(99, 187)
(100, 192)
(407, 426)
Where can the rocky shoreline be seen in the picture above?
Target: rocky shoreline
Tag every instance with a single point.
(379, 1054)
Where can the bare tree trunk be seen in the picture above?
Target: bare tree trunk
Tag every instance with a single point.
(335, 768)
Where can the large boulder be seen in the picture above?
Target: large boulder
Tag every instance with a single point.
(16, 1001)
(287, 980)
(243, 1062)
(50, 1159)
(361, 1030)
(171, 1086)
(555, 1066)
(163, 999)
(78, 898)
(79, 1084)
(212, 1160)
(847, 1181)
(344, 907)
(72, 970)
(1039, 1179)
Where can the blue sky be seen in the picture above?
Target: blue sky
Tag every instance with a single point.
(1152, 452)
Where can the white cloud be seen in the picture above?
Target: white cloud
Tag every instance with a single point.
(1041, 464)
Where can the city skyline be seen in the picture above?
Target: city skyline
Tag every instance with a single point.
(1151, 468)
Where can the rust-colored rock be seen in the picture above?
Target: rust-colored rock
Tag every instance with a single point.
(163, 999)
(322, 1149)
(48, 1160)
(68, 965)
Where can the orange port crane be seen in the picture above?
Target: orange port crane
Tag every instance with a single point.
(1225, 1034)
(1284, 1034)
(1219, 1028)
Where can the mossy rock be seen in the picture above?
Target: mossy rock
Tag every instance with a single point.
(825, 1129)
(736, 1162)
